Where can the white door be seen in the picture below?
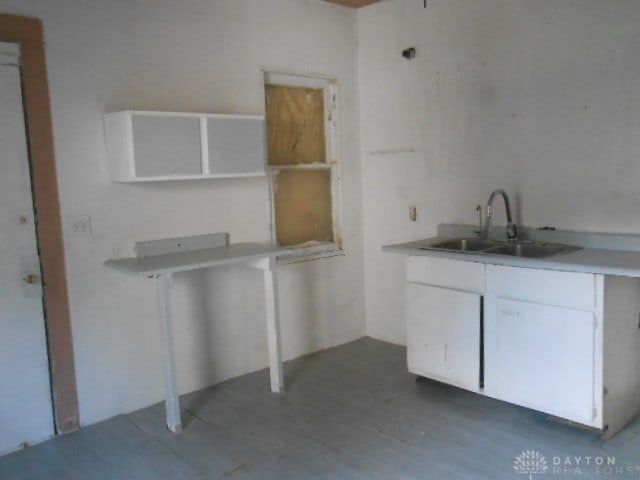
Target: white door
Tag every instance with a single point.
(25, 396)
(443, 335)
(541, 357)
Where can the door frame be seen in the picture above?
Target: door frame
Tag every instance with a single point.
(28, 33)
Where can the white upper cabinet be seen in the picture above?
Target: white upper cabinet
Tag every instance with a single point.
(166, 145)
(156, 146)
(236, 145)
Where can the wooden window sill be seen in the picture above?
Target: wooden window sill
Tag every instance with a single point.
(311, 252)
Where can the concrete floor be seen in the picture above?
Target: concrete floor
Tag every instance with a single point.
(349, 412)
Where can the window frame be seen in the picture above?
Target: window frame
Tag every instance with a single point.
(330, 88)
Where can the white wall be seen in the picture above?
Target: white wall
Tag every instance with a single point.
(538, 97)
(191, 55)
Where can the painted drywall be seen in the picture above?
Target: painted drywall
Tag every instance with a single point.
(537, 97)
(202, 56)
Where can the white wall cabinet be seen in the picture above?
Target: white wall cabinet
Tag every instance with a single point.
(155, 146)
(564, 343)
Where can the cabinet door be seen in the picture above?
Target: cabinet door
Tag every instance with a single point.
(236, 145)
(541, 357)
(166, 145)
(443, 334)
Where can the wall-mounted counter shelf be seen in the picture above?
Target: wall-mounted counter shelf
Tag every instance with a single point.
(145, 146)
(160, 259)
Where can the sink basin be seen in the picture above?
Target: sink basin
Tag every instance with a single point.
(532, 250)
(462, 245)
(523, 248)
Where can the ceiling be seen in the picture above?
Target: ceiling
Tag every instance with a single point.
(353, 3)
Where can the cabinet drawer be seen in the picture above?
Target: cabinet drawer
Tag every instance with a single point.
(443, 272)
(569, 289)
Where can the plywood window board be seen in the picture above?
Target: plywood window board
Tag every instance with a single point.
(295, 125)
(303, 182)
(303, 209)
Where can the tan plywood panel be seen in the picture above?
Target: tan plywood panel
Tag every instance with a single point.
(295, 125)
(303, 206)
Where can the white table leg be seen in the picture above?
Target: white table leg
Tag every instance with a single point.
(268, 267)
(273, 328)
(172, 401)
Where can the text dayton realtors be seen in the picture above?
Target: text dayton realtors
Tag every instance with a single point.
(597, 465)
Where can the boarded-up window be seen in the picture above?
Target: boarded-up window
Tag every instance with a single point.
(300, 174)
(302, 206)
(295, 125)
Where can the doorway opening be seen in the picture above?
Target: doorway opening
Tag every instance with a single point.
(27, 34)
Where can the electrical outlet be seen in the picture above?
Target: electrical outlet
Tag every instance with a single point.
(81, 226)
(413, 213)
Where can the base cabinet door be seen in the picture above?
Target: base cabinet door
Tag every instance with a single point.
(541, 357)
(443, 334)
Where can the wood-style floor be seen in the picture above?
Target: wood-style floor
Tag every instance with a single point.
(349, 412)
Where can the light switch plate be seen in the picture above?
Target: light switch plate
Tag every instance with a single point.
(81, 226)
(413, 213)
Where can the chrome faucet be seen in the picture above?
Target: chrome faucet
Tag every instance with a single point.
(512, 230)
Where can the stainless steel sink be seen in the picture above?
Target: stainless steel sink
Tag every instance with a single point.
(462, 245)
(495, 247)
(532, 250)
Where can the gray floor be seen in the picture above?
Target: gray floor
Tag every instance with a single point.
(349, 412)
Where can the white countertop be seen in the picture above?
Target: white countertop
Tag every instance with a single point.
(589, 260)
(192, 260)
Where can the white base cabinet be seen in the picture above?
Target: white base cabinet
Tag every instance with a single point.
(444, 315)
(445, 334)
(564, 343)
(542, 357)
(543, 341)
